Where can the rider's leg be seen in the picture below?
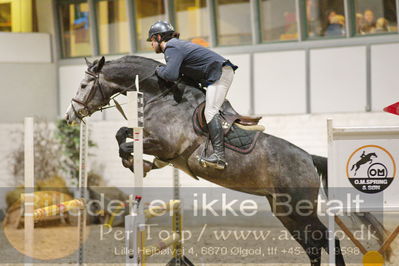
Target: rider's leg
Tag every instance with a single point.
(215, 95)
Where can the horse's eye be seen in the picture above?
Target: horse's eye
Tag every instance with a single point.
(83, 112)
(83, 85)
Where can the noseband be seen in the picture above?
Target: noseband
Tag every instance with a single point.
(86, 110)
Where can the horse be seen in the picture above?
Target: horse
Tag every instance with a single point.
(274, 167)
(365, 158)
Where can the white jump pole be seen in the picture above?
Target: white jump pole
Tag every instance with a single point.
(177, 219)
(82, 187)
(136, 121)
(29, 189)
(134, 222)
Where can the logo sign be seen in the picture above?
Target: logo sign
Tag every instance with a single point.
(371, 169)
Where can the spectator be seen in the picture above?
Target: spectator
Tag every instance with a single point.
(290, 28)
(381, 25)
(330, 15)
(336, 26)
(369, 22)
(359, 22)
(312, 15)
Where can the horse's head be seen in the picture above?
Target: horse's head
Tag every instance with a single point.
(105, 79)
(91, 94)
(373, 154)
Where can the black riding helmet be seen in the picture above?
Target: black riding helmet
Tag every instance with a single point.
(160, 27)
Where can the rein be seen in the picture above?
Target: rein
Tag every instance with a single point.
(86, 111)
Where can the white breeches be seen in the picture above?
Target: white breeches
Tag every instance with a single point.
(216, 93)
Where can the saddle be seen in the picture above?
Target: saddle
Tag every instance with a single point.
(228, 114)
(236, 137)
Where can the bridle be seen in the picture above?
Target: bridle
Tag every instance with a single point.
(86, 110)
(97, 86)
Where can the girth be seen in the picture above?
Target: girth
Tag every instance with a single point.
(182, 159)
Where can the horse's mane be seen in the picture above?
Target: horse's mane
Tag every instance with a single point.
(124, 69)
(134, 60)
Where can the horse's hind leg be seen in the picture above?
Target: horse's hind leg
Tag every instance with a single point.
(308, 231)
(322, 231)
(300, 228)
(357, 168)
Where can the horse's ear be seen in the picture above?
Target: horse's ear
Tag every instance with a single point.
(97, 68)
(87, 62)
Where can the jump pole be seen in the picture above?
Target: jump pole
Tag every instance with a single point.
(177, 226)
(30, 215)
(135, 221)
(29, 189)
(82, 188)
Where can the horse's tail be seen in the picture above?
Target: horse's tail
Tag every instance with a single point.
(366, 218)
(321, 165)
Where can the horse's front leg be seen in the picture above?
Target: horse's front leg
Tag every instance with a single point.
(127, 148)
(129, 163)
(151, 146)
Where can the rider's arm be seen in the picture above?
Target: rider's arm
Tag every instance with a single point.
(174, 58)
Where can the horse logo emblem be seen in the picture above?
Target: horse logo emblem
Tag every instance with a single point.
(371, 169)
(365, 158)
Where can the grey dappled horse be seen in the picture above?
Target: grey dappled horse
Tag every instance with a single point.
(275, 166)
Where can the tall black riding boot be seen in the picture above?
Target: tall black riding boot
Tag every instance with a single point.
(216, 159)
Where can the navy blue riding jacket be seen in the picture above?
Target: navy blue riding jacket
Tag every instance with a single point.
(193, 61)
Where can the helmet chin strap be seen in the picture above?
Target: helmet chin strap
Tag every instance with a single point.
(159, 41)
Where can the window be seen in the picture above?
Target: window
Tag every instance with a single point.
(375, 16)
(192, 21)
(75, 30)
(325, 18)
(18, 16)
(112, 26)
(147, 13)
(233, 22)
(5, 17)
(278, 20)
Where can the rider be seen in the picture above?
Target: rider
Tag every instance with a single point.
(205, 67)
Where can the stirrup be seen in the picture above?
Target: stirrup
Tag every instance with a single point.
(219, 165)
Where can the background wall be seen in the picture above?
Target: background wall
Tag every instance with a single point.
(384, 75)
(338, 79)
(28, 77)
(280, 82)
